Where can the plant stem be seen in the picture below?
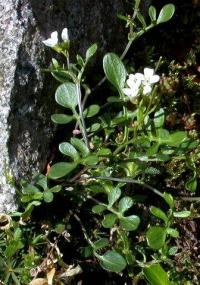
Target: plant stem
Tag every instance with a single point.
(131, 181)
(84, 132)
(82, 228)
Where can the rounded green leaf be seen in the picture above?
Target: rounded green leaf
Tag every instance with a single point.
(60, 170)
(90, 160)
(91, 111)
(168, 199)
(182, 214)
(66, 95)
(101, 243)
(159, 214)
(176, 138)
(69, 150)
(112, 261)
(48, 196)
(191, 184)
(125, 204)
(166, 13)
(113, 195)
(109, 220)
(61, 118)
(91, 51)
(114, 70)
(104, 152)
(130, 223)
(98, 209)
(156, 275)
(94, 127)
(159, 118)
(173, 232)
(80, 145)
(152, 13)
(156, 237)
(56, 189)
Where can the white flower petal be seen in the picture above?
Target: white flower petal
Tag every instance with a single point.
(52, 41)
(65, 35)
(133, 81)
(147, 89)
(139, 76)
(49, 42)
(131, 93)
(154, 79)
(127, 91)
(148, 72)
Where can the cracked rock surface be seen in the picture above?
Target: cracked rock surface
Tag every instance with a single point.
(26, 92)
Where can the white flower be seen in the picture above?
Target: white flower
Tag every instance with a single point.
(52, 41)
(65, 35)
(149, 79)
(134, 82)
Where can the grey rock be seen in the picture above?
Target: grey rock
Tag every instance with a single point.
(26, 92)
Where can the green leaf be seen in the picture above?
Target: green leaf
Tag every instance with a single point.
(156, 237)
(12, 247)
(56, 189)
(152, 150)
(61, 75)
(48, 196)
(141, 19)
(69, 150)
(104, 152)
(166, 13)
(112, 261)
(61, 118)
(81, 146)
(191, 184)
(80, 60)
(30, 190)
(113, 196)
(173, 250)
(109, 220)
(114, 99)
(125, 203)
(66, 95)
(91, 51)
(159, 118)
(156, 275)
(29, 209)
(95, 127)
(130, 223)
(168, 199)
(90, 160)
(159, 214)
(182, 214)
(152, 13)
(101, 243)
(98, 209)
(176, 138)
(91, 111)
(114, 70)
(15, 279)
(60, 170)
(172, 232)
(40, 180)
(30, 197)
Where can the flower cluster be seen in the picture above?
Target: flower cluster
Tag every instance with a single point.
(53, 40)
(139, 82)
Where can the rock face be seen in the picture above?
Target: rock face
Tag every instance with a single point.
(26, 92)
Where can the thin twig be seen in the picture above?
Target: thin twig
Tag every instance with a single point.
(131, 181)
